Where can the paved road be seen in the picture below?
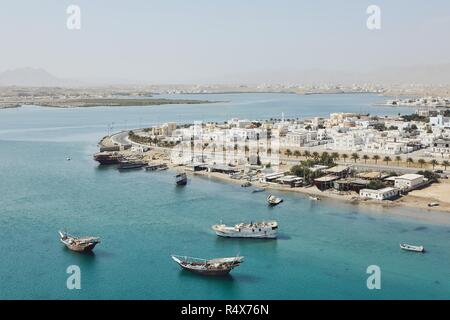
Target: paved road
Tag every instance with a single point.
(122, 139)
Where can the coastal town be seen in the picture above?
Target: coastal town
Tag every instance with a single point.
(390, 160)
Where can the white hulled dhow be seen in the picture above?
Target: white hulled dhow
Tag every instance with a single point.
(260, 230)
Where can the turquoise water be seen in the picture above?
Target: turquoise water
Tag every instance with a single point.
(322, 252)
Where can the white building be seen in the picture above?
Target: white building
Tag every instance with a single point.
(300, 138)
(347, 141)
(440, 121)
(380, 194)
(442, 147)
(408, 181)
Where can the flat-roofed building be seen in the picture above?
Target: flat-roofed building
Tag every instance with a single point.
(380, 194)
(409, 181)
(338, 171)
(441, 146)
(325, 182)
(292, 181)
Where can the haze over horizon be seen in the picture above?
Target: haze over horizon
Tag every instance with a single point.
(160, 42)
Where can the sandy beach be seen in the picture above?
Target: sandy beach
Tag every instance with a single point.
(418, 199)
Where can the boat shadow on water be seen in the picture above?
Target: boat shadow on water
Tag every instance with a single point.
(230, 278)
(83, 255)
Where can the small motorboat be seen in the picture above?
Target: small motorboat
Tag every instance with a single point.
(433, 204)
(68, 159)
(273, 201)
(258, 190)
(209, 267)
(181, 179)
(79, 244)
(246, 184)
(409, 247)
(314, 198)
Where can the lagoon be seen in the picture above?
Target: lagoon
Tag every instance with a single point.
(323, 250)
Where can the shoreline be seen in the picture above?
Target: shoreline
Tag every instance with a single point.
(416, 200)
(425, 214)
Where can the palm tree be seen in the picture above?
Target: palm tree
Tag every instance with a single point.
(409, 161)
(288, 152)
(335, 156)
(269, 151)
(387, 159)
(376, 158)
(445, 164)
(365, 158)
(421, 162)
(297, 153)
(344, 156)
(355, 156)
(434, 163)
(398, 159)
(315, 155)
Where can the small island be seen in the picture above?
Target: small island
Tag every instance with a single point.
(55, 97)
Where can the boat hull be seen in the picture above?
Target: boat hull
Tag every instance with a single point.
(76, 248)
(273, 204)
(213, 267)
(216, 273)
(246, 235)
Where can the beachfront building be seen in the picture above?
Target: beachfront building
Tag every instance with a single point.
(339, 171)
(380, 194)
(290, 180)
(409, 181)
(326, 182)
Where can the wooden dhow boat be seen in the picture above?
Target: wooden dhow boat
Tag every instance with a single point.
(79, 244)
(208, 267)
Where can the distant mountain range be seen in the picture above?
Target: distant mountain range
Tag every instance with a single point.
(33, 77)
(438, 74)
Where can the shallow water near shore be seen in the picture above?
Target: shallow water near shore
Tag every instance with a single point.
(323, 249)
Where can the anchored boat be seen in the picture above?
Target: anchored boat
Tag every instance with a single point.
(248, 230)
(181, 179)
(79, 244)
(108, 158)
(273, 201)
(212, 267)
(409, 247)
(256, 190)
(314, 198)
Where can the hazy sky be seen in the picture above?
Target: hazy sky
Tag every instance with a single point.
(207, 40)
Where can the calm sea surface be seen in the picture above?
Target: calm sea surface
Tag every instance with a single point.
(322, 252)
